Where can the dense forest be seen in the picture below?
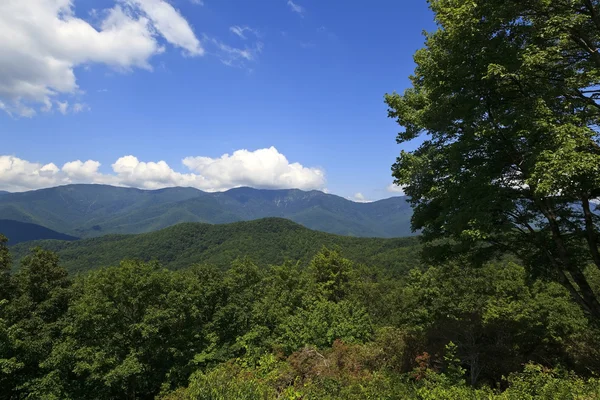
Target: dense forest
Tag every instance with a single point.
(499, 299)
(268, 241)
(330, 329)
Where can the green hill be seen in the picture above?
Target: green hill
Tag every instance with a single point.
(95, 210)
(266, 241)
(18, 232)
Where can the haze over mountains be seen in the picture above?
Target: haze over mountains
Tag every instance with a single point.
(96, 210)
(18, 232)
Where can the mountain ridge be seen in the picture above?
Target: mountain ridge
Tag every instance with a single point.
(85, 210)
(18, 232)
(269, 241)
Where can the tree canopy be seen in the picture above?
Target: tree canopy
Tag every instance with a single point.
(332, 329)
(505, 99)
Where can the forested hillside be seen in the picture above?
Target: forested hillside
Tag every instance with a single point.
(332, 329)
(96, 210)
(23, 232)
(268, 241)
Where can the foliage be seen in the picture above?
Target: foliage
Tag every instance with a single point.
(31, 320)
(281, 379)
(498, 320)
(505, 95)
(269, 241)
(538, 382)
(329, 329)
(324, 322)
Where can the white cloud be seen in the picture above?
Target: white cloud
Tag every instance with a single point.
(295, 7)
(80, 107)
(392, 188)
(153, 175)
(62, 107)
(19, 175)
(263, 168)
(360, 198)
(233, 56)
(79, 171)
(239, 31)
(198, 2)
(170, 24)
(44, 41)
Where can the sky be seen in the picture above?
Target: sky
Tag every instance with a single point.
(212, 94)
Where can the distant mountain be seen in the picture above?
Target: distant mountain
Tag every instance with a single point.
(94, 210)
(2, 192)
(268, 241)
(18, 232)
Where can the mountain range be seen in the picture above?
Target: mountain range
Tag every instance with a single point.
(95, 210)
(18, 232)
(268, 241)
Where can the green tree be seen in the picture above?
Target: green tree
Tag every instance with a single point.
(282, 292)
(505, 95)
(232, 319)
(331, 273)
(31, 321)
(9, 364)
(494, 317)
(131, 332)
(323, 322)
(5, 267)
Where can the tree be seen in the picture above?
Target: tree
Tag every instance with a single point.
(505, 95)
(5, 267)
(31, 322)
(497, 320)
(331, 274)
(9, 364)
(130, 333)
(323, 322)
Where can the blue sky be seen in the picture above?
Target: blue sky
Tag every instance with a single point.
(306, 77)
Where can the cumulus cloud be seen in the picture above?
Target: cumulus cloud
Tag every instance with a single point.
(154, 175)
(48, 41)
(295, 7)
(360, 198)
(19, 175)
(81, 171)
(392, 188)
(263, 168)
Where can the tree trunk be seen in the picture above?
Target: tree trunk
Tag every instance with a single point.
(591, 234)
(587, 294)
